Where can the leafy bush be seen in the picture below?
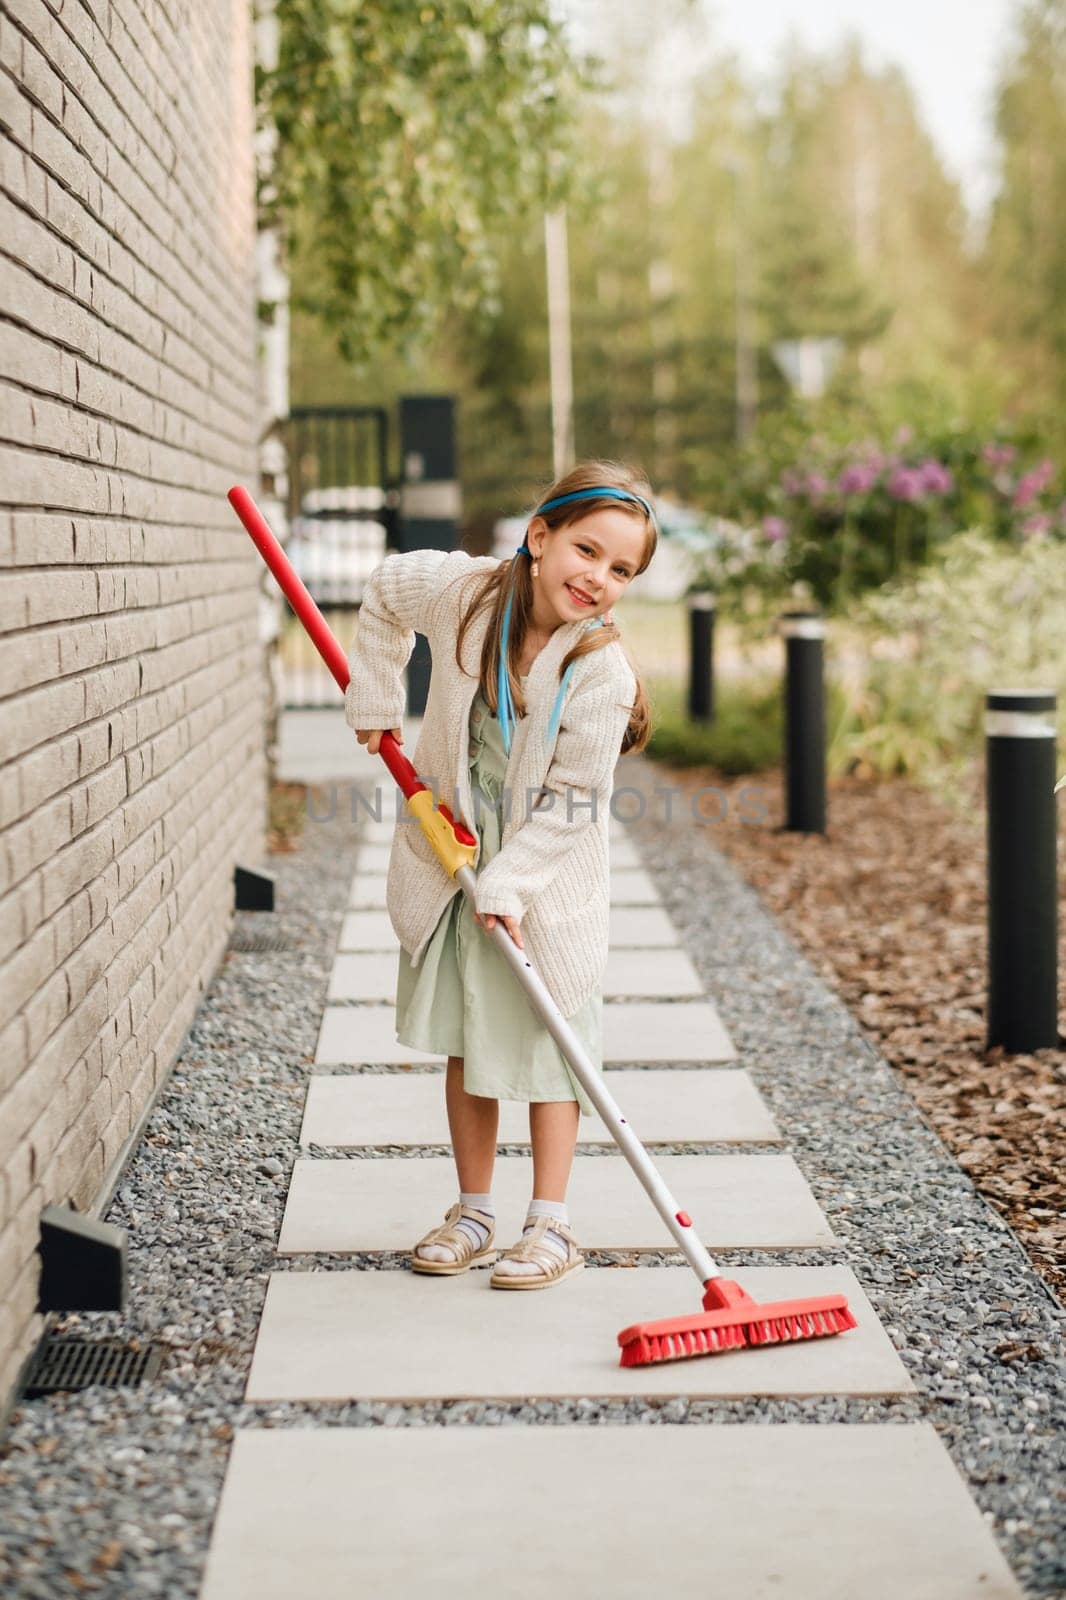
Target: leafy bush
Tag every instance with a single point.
(983, 616)
(745, 736)
(837, 517)
(924, 651)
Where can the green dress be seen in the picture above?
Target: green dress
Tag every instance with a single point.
(464, 1000)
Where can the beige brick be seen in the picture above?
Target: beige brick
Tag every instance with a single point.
(48, 1129)
(28, 661)
(94, 744)
(28, 356)
(12, 927)
(44, 772)
(24, 972)
(20, 1174)
(29, 1093)
(89, 1179)
(28, 1325)
(138, 860)
(23, 1103)
(71, 1157)
(38, 837)
(130, 656)
(76, 866)
(48, 1007)
(10, 796)
(126, 1068)
(71, 924)
(10, 47)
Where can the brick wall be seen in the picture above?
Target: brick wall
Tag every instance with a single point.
(132, 771)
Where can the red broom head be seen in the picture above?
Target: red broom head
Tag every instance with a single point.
(732, 1319)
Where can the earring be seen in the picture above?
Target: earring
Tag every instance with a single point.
(535, 568)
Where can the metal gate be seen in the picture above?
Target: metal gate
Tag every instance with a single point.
(342, 522)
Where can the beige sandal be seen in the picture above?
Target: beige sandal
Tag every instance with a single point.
(531, 1247)
(457, 1239)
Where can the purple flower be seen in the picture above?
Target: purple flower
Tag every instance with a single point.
(936, 478)
(904, 434)
(774, 528)
(998, 455)
(792, 482)
(858, 478)
(817, 485)
(1037, 525)
(905, 483)
(1030, 484)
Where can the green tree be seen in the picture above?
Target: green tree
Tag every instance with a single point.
(1025, 249)
(408, 135)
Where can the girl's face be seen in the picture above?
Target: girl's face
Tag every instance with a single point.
(585, 566)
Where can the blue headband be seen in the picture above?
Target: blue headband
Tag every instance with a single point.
(505, 711)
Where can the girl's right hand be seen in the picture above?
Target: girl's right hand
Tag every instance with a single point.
(371, 737)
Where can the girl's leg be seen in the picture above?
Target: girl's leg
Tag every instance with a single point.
(474, 1122)
(553, 1126)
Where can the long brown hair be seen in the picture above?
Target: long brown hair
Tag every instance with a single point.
(494, 591)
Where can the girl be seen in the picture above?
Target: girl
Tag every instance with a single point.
(531, 700)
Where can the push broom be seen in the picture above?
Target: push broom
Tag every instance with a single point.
(730, 1318)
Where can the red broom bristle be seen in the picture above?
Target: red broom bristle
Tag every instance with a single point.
(740, 1321)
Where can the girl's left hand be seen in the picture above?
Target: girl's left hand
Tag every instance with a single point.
(489, 920)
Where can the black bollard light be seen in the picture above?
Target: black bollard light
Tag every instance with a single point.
(804, 754)
(1022, 900)
(701, 656)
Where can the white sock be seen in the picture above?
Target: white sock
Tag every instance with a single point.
(478, 1232)
(555, 1241)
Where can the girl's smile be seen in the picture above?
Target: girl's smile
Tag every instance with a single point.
(585, 566)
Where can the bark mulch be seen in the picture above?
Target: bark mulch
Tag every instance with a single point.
(890, 910)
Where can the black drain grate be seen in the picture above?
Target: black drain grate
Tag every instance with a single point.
(76, 1363)
(249, 943)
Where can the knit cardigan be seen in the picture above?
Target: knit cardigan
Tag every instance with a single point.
(552, 868)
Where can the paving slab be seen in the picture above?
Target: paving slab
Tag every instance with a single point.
(662, 974)
(691, 1512)
(367, 892)
(400, 1108)
(631, 886)
(369, 975)
(630, 974)
(373, 857)
(638, 1030)
(623, 852)
(403, 1335)
(735, 1201)
(642, 927)
(368, 930)
(649, 1030)
(377, 833)
(362, 1035)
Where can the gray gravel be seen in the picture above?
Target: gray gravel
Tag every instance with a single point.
(115, 1491)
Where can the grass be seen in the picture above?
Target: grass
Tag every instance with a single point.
(745, 735)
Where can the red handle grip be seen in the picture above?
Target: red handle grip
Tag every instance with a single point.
(325, 640)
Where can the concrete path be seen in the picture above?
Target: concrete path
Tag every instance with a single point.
(833, 1512)
(813, 1511)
